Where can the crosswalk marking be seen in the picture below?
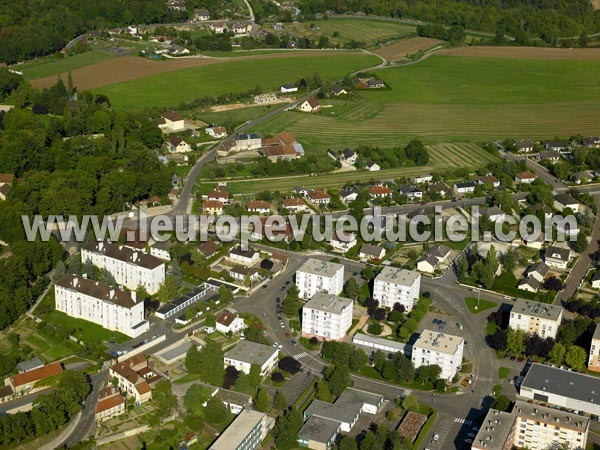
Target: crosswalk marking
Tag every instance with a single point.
(231, 310)
(300, 355)
(483, 378)
(463, 421)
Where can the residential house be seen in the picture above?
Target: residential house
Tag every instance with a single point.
(489, 180)
(177, 50)
(311, 105)
(178, 145)
(560, 146)
(267, 97)
(26, 381)
(591, 142)
(212, 207)
(411, 192)
(294, 204)
(6, 394)
(348, 156)
(422, 179)
(177, 5)
(525, 178)
(372, 166)
(342, 242)
(529, 284)
(108, 306)
(524, 146)
(380, 191)
(536, 317)
(441, 189)
(538, 271)
(6, 182)
(218, 195)
(171, 122)
(201, 15)
(319, 276)
(208, 248)
(110, 404)
(595, 281)
(564, 201)
(552, 156)
(300, 190)
(466, 187)
(218, 27)
(241, 28)
(132, 377)
(259, 206)
(229, 323)
(395, 285)
(244, 257)
(216, 132)
(246, 353)
(371, 252)
(130, 268)
(234, 401)
(432, 259)
(584, 176)
(30, 364)
(368, 83)
(338, 90)
(493, 213)
(319, 197)
(327, 316)
(244, 274)
(162, 250)
(247, 142)
(288, 88)
(440, 349)
(348, 194)
(557, 257)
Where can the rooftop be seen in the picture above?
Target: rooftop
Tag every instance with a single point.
(565, 199)
(34, 375)
(411, 424)
(439, 342)
(398, 276)
(562, 382)
(346, 407)
(321, 268)
(251, 352)
(97, 290)
(551, 416)
(359, 337)
(233, 435)
(558, 253)
(30, 364)
(125, 254)
(537, 309)
(495, 430)
(233, 397)
(319, 429)
(328, 302)
(372, 250)
(596, 332)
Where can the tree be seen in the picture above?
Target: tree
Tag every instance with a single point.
(347, 443)
(358, 359)
(290, 365)
(168, 290)
(338, 379)
(291, 303)
(501, 403)
(375, 328)
(514, 342)
(557, 354)
(254, 377)
(351, 289)
(279, 401)
(225, 294)
(323, 392)
(368, 273)
(193, 361)
(576, 357)
(210, 320)
(195, 397)
(286, 429)
(410, 403)
(215, 411)
(416, 151)
(261, 400)
(207, 363)
(581, 243)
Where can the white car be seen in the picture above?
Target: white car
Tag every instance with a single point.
(436, 437)
(282, 324)
(280, 346)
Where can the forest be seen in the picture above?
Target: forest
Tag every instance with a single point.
(70, 154)
(546, 19)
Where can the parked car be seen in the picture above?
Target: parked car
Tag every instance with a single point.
(436, 437)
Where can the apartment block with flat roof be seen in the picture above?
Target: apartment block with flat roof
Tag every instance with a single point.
(394, 285)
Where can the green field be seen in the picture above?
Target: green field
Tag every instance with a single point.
(483, 305)
(173, 88)
(362, 30)
(453, 99)
(51, 66)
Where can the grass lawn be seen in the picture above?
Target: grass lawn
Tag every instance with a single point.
(84, 330)
(483, 305)
(188, 378)
(307, 345)
(503, 372)
(497, 390)
(455, 99)
(46, 67)
(174, 88)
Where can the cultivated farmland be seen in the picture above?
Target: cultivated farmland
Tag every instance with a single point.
(237, 75)
(406, 47)
(527, 53)
(453, 99)
(442, 156)
(47, 67)
(368, 31)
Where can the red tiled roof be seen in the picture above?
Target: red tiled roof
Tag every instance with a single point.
(525, 175)
(294, 201)
(6, 177)
(208, 248)
(313, 102)
(109, 403)
(218, 193)
(287, 138)
(258, 204)
(380, 190)
(226, 319)
(280, 150)
(172, 116)
(318, 194)
(34, 375)
(212, 204)
(143, 388)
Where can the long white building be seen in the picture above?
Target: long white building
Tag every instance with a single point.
(536, 317)
(319, 276)
(444, 350)
(327, 316)
(107, 306)
(393, 285)
(130, 268)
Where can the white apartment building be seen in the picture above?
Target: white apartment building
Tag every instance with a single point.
(393, 285)
(110, 307)
(444, 350)
(327, 316)
(246, 432)
(594, 358)
(319, 276)
(130, 268)
(245, 353)
(536, 317)
(533, 427)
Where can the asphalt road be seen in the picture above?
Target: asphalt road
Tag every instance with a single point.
(22, 401)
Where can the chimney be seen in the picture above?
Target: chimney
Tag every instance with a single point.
(111, 293)
(75, 281)
(85, 275)
(135, 256)
(100, 246)
(133, 296)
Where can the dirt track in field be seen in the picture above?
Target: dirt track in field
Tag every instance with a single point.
(406, 47)
(526, 52)
(128, 68)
